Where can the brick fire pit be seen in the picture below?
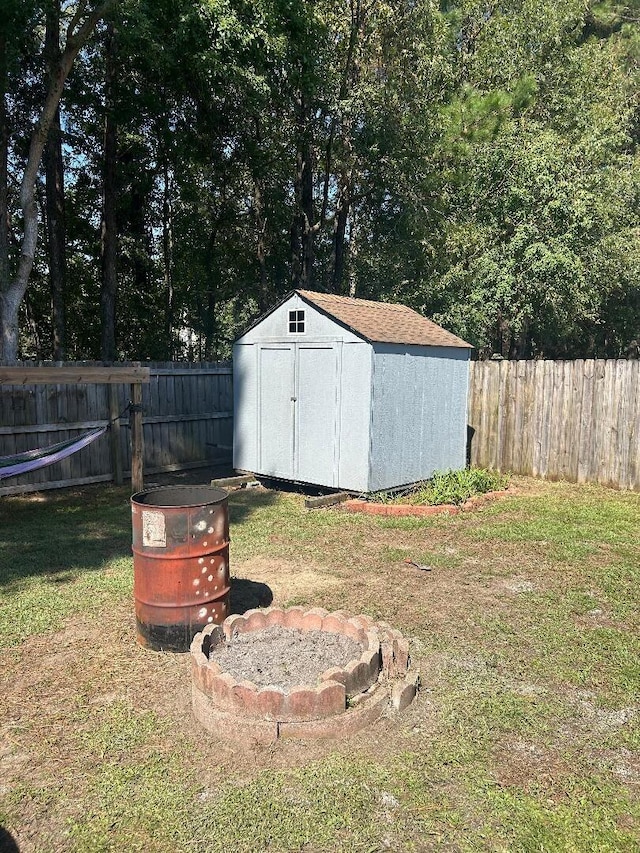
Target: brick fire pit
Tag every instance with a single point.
(341, 699)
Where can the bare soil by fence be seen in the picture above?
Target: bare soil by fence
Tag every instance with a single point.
(187, 422)
(572, 420)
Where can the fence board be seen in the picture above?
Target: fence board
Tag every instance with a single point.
(633, 481)
(576, 420)
(508, 411)
(621, 455)
(599, 423)
(527, 368)
(577, 371)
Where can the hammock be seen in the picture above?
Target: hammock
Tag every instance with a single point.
(31, 460)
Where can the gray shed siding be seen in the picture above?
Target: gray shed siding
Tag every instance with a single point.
(418, 413)
(355, 416)
(245, 407)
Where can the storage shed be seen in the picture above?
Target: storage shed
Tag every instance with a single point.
(348, 393)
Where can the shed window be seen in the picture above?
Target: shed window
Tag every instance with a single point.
(296, 322)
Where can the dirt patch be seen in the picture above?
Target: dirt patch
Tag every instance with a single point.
(516, 585)
(287, 581)
(624, 764)
(596, 618)
(284, 657)
(524, 764)
(606, 719)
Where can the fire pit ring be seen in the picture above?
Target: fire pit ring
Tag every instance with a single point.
(343, 699)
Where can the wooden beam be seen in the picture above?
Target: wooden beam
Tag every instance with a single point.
(327, 500)
(53, 484)
(183, 419)
(18, 429)
(215, 462)
(232, 482)
(77, 375)
(200, 371)
(104, 478)
(155, 419)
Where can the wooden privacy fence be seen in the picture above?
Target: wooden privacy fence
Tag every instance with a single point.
(573, 420)
(187, 423)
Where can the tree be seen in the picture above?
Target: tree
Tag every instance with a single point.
(539, 184)
(55, 208)
(476, 160)
(80, 28)
(109, 225)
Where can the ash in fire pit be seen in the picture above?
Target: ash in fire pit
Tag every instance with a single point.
(284, 657)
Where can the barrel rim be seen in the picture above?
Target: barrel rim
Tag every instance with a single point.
(216, 496)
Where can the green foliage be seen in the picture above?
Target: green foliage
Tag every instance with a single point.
(542, 192)
(476, 161)
(448, 487)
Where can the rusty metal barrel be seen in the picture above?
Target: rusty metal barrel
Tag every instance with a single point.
(180, 563)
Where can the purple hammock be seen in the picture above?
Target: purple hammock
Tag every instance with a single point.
(22, 463)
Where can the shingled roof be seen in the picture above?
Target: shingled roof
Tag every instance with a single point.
(383, 322)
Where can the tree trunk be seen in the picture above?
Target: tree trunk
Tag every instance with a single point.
(261, 250)
(56, 232)
(338, 250)
(349, 81)
(308, 231)
(302, 226)
(167, 254)
(139, 234)
(13, 291)
(294, 242)
(339, 233)
(260, 220)
(33, 326)
(211, 328)
(209, 321)
(54, 174)
(353, 257)
(109, 229)
(520, 342)
(4, 159)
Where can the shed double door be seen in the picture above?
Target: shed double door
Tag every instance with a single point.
(298, 412)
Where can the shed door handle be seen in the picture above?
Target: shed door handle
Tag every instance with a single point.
(293, 399)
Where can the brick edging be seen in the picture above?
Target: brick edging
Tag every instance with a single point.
(357, 505)
(242, 729)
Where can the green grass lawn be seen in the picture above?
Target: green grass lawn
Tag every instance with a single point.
(525, 736)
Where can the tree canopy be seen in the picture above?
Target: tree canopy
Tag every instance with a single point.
(475, 159)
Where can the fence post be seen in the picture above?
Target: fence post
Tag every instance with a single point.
(116, 453)
(137, 447)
